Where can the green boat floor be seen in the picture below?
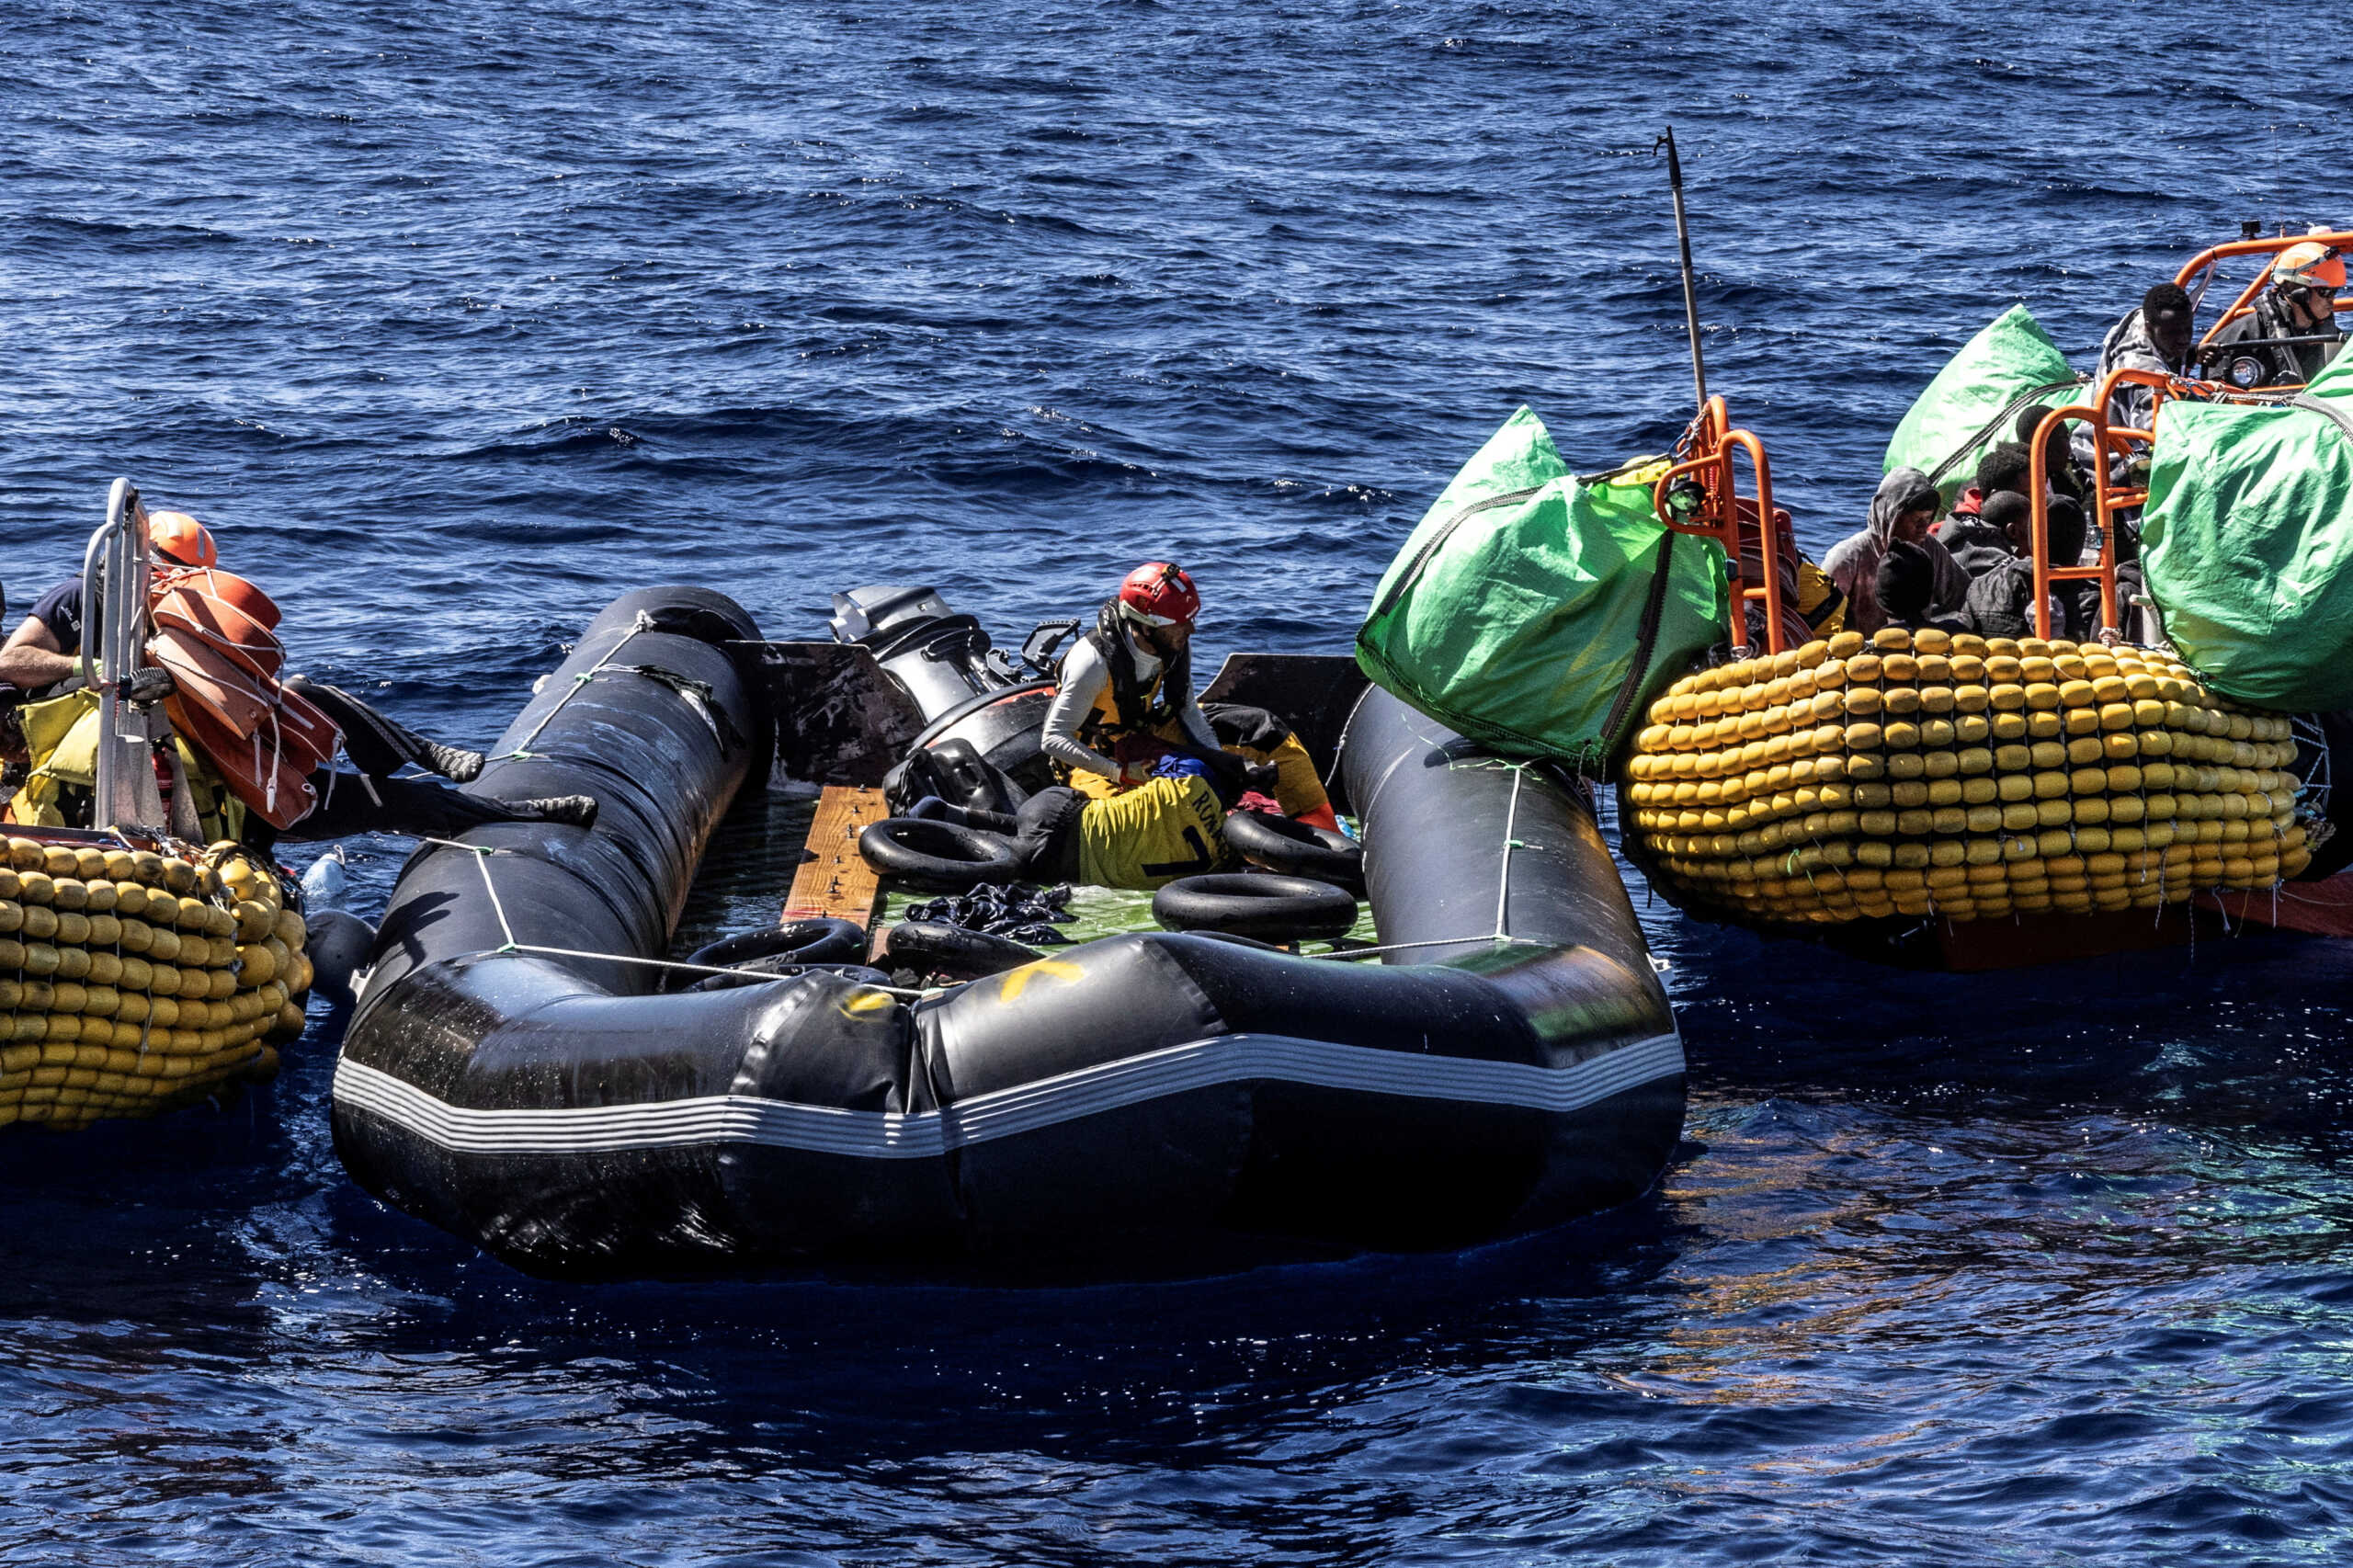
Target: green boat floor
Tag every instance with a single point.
(753, 855)
(1107, 912)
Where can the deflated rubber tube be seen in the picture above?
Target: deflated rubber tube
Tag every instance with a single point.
(1145, 1104)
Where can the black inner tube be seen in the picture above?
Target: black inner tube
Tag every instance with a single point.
(818, 941)
(935, 947)
(937, 857)
(760, 971)
(1297, 848)
(1271, 908)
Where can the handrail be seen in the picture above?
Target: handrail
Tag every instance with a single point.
(115, 572)
(93, 564)
(1714, 442)
(2109, 500)
(2269, 244)
(100, 588)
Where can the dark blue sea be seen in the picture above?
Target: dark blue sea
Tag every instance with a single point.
(456, 320)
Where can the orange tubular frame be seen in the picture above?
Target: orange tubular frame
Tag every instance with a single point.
(1711, 443)
(2270, 245)
(2108, 500)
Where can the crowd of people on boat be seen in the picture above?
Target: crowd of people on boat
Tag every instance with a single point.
(1917, 564)
(1147, 774)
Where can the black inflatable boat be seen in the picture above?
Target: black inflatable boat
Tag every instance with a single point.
(1153, 1102)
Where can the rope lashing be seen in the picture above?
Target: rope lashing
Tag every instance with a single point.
(483, 853)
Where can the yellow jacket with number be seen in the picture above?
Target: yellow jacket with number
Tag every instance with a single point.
(1150, 836)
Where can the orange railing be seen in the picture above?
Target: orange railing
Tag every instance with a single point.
(2268, 247)
(2109, 441)
(1716, 510)
(2124, 442)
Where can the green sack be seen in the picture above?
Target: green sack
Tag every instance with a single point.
(2247, 543)
(1515, 611)
(1972, 406)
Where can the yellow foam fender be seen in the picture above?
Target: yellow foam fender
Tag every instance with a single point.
(1933, 774)
(132, 982)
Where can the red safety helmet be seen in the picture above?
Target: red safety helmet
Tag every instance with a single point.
(1158, 594)
(181, 539)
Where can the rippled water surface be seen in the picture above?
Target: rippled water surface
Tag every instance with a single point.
(459, 319)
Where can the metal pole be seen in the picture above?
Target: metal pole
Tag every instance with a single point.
(1690, 297)
(102, 583)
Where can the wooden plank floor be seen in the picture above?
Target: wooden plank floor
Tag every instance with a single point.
(838, 883)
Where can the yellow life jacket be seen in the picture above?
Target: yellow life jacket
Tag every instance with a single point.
(1128, 706)
(61, 742)
(1820, 603)
(1298, 788)
(1150, 836)
(1103, 728)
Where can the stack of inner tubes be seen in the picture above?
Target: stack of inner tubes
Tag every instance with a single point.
(1303, 884)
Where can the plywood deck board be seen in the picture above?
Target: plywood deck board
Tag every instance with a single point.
(836, 880)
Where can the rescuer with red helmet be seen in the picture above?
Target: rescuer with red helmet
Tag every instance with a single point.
(1125, 695)
(47, 649)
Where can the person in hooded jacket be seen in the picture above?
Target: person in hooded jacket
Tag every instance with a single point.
(1903, 510)
(2300, 305)
(2155, 336)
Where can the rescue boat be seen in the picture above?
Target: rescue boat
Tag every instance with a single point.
(1974, 803)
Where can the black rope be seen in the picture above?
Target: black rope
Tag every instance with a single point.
(1646, 645)
(2004, 420)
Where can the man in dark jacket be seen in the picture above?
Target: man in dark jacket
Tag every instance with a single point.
(2292, 332)
(1978, 543)
(2155, 336)
(2001, 603)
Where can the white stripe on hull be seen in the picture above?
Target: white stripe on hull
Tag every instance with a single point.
(1005, 1113)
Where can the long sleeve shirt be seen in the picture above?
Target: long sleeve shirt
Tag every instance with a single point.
(1085, 678)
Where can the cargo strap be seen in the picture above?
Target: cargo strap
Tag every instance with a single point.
(1613, 729)
(2002, 421)
(1498, 936)
(2325, 409)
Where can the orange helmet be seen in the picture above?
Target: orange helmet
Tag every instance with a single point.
(2310, 265)
(180, 540)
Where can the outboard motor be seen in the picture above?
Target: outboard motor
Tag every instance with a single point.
(983, 707)
(941, 658)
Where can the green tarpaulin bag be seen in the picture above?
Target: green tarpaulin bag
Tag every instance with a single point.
(2247, 543)
(1515, 611)
(1973, 404)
